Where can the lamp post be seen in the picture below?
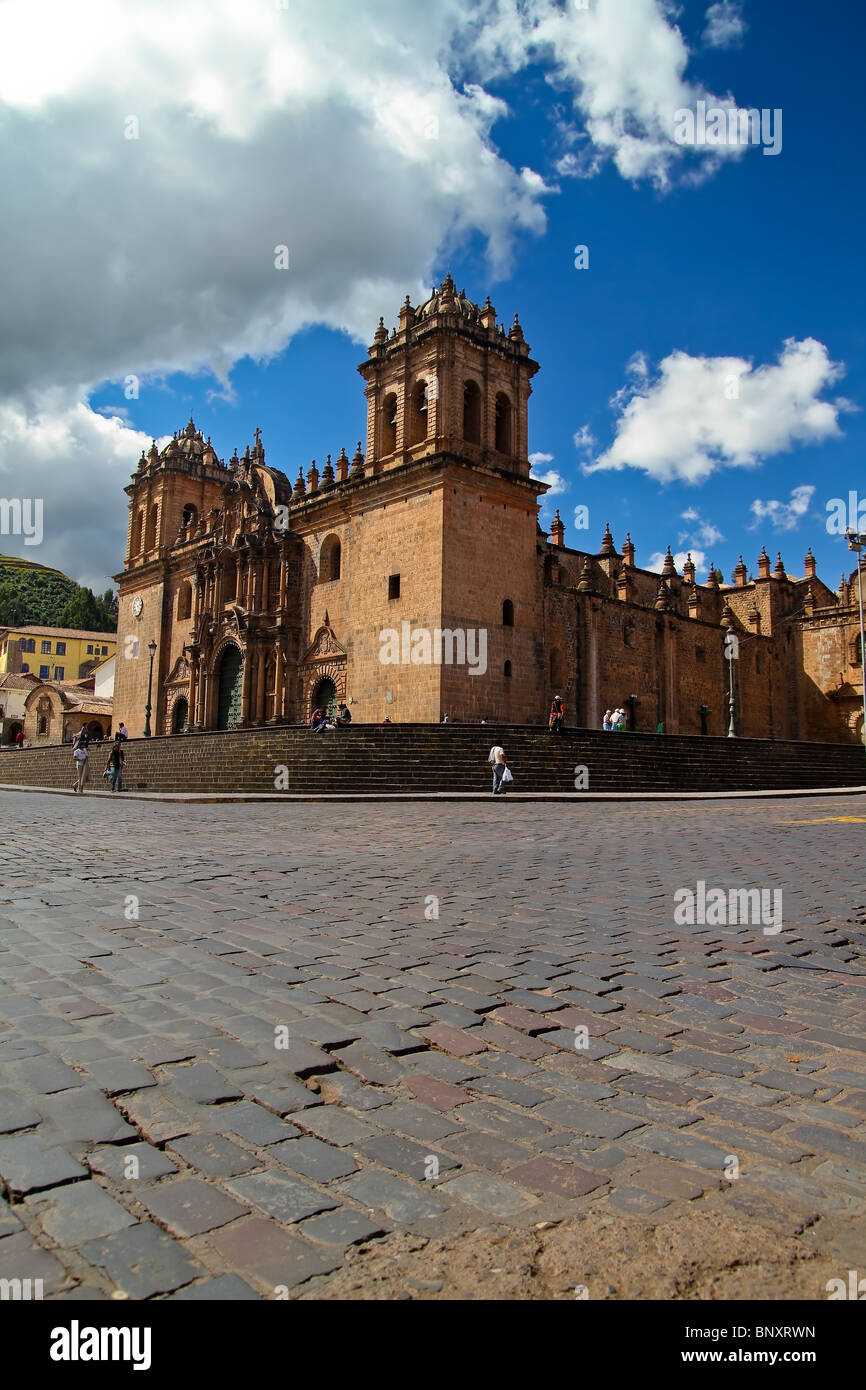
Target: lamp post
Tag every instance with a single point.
(856, 541)
(151, 647)
(732, 651)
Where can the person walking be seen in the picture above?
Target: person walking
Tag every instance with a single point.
(496, 756)
(116, 759)
(19, 739)
(557, 715)
(80, 755)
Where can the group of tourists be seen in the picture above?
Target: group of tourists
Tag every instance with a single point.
(615, 721)
(113, 767)
(319, 718)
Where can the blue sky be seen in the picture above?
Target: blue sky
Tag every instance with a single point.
(699, 273)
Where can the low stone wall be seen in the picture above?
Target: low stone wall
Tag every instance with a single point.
(447, 758)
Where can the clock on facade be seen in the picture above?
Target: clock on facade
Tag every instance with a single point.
(137, 605)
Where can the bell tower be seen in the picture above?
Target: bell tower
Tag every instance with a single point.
(448, 380)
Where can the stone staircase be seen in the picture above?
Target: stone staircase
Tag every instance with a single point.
(419, 758)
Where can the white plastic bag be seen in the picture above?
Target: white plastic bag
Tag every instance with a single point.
(506, 776)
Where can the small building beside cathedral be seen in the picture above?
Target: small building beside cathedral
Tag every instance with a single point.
(413, 579)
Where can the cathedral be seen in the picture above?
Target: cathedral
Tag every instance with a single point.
(248, 600)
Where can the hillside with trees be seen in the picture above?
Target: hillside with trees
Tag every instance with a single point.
(32, 593)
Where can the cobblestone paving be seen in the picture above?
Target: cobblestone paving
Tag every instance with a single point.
(236, 1040)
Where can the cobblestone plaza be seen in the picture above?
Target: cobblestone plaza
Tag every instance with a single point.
(244, 1048)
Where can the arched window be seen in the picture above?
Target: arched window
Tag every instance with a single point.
(389, 424)
(507, 672)
(330, 560)
(190, 515)
(184, 600)
(138, 534)
(471, 413)
(150, 529)
(503, 424)
(507, 613)
(418, 413)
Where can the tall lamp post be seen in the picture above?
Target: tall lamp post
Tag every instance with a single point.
(151, 647)
(856, 541)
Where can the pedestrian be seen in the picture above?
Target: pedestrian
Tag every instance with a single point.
(19, 739)
(501, 770)
(80, 756)
(607, 722)
(557, 714)
(121, 731)
(114, 765)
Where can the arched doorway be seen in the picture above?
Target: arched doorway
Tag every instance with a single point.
(325, 695)
(230, 685)
(94, 728)
(180, 715)
(14, 728)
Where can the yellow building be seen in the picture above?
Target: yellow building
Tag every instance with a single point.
(53, 653)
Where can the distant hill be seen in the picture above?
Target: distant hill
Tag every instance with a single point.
(34, 593)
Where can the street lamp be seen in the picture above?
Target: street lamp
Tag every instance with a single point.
(856, 541)
(151, 647)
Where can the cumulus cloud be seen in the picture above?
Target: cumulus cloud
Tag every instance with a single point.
(783, 516)
(555, 481)
(84, 517)
(700, 531)
(584, 439)
(157, 155)
(725, 25)
(655, 563)
(698, 415)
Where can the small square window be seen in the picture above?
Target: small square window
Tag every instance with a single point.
(25, 668)
(44, 672)
(393, 586)
(46, 648)
(61, 648)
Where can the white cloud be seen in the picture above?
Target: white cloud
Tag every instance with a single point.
(554, 480)
(703, 532)
(584, 439)
(784, 516)
(701, 414)
(627, 79)
(725, 25)
(656, 562)
(83, 514)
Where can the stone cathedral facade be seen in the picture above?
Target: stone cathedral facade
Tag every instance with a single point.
(266, 597)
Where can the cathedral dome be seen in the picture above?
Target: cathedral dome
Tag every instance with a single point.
(447, 300)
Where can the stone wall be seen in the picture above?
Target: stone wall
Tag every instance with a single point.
(371, 759)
